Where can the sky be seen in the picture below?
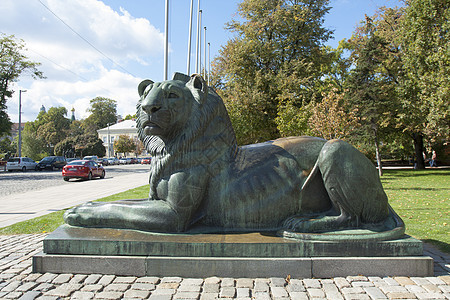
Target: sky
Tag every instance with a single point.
(93, 48)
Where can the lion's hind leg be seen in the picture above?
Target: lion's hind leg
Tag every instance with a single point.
(354, 190)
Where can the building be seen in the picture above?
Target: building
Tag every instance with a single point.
(126, 127)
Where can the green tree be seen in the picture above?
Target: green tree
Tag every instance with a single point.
(13, 63)
(124, 144)
(425, 85)
(272, 65)
(6, 145)
(33, 146)
(103, 112)
(53, 125)
(81, 145)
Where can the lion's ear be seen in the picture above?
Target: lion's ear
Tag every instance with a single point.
(143, 85)
(198, 87)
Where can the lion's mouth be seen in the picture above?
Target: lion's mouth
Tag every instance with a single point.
(150, 128)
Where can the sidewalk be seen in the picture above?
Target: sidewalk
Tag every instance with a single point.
(17, 282)
(24, 206)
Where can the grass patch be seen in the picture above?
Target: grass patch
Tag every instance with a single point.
(420, 197)
(50, 222)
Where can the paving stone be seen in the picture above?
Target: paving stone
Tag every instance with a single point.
(415, 288)
(312, 283)
(43, 287)
(136, 294)
(212, 280)
(445, 278)
(261, 286)
(390, 281)
(420, 280)
(352, 290)
(27, 286)
(341, 282)
(375, 293)
(210, 288)
(11, 286)
(429, 296)
(242, 292)
(431, 288)
(109, 295)
(92, 288)
(435, 280)
(192, 281)
(277, 281)
(13, 295)
(106, 279)
(160, 297)
(445, 289)
(362, 283)
(299, 295)
(356, 278)
(116, 287)
(171, 279)
(186, 295)
(330, 288)
(227, 282)
(30, 295)
(393, 289)
(296, 286)
(315, 293)
(209, 296)
(227, 292)
(335, 296)
(401, 295)
(32, 277)
(263, 296)
(189, 288)
(82, 295)
(244, 283)
(62, 278)
(159, 291)
(357, 297)
(404, 280)
(122, 279)
(47, 277)
(78, 278)
(63, 290)
(168, 285)
(143, 286)
(92, 279)
(278, 292)
(147, 279)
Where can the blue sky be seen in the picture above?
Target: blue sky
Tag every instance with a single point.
(91, 48)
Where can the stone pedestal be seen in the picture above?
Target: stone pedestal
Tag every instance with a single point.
(127, 252)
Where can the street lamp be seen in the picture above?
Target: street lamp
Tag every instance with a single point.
(20, 121)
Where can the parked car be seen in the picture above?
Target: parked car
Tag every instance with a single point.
(86, 169)
(105, 161)
(113, 161)
(21, 163)
(52, 162)
(71, 159)
(124, 161)
(146, 160)
(133, 160)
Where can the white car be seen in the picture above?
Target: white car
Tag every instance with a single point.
(21, 163)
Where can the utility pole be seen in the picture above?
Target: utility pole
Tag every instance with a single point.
(20, 121)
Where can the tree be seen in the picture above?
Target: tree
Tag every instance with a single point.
(6, 145)
(273, 63)
(103, 112)
(53, 125)
(34, 146)
(124, 144)
(13, 63)
(425, 84)
(329, 118)
(81, 145)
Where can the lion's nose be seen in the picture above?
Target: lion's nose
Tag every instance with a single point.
(151, 108)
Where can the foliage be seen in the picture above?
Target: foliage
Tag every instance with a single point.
(103, 112)
(33, 146)
(81, 145)
(130, 117)
(13, 63)
(271, 66)
(329, 118)
(425, 88)
(124, 144)
(6, 145)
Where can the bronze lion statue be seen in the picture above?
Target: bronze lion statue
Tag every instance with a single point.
(201, 181)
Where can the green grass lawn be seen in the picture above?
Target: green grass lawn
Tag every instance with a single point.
(421, 198)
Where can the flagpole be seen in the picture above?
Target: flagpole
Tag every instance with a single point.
(166, 41)
(189, 41)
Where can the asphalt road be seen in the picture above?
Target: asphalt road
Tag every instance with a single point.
(20, 182)
(32, 194)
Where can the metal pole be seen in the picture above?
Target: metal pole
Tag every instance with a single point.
(189, 40)
(166, 41)
(109, 144)
(209, 62)
(20, 121)
(204, 59)
(197, 61)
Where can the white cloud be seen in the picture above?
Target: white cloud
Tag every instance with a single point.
(75, 71)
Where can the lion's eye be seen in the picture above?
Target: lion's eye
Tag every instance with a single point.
(173, 95)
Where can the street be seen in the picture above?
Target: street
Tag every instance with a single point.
(28, 195)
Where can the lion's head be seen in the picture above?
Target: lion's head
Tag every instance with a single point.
(183, 116)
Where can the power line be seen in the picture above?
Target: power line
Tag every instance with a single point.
(89, 43)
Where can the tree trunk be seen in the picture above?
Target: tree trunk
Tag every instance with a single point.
(418, 149)
(377, 153)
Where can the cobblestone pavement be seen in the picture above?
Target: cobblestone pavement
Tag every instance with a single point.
(20, 182)
(18, 282)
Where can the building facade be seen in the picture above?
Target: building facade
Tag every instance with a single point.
(111, 133)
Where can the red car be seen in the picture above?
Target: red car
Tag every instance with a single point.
(146, 160)
(86, 169)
